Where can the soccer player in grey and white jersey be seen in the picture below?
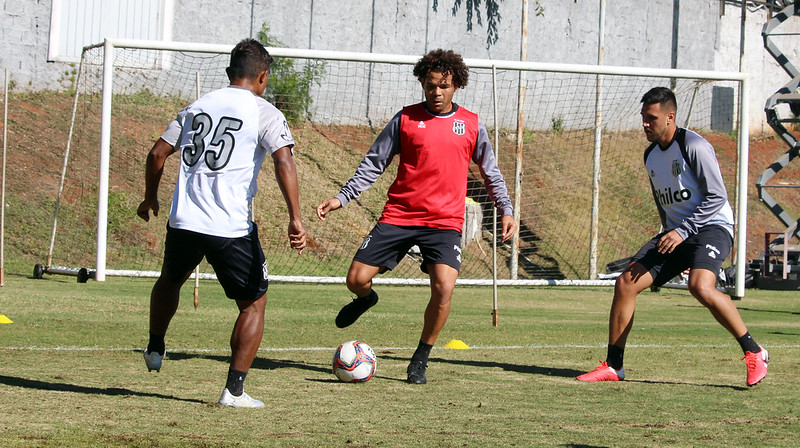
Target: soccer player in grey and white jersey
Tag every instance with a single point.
(698, 234)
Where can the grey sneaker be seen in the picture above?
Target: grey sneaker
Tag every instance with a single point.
(153, 360)
(242, 401)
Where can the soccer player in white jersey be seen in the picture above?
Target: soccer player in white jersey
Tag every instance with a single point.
(698, 234)
(223, 139)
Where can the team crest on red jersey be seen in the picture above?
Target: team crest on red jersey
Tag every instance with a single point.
(459, 127)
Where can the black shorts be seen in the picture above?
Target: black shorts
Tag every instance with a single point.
(238, 262)
(387, 244)
(706, 249)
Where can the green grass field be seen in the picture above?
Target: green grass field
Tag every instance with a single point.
(71, 373)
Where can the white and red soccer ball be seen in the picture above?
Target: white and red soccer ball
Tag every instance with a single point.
(354, 362)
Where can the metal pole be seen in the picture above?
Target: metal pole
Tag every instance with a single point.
(252, 16)
(741, 191)
(64, 165)
(598, 137)
(737, 241)
(676, 10)
(105, 152)
(741, 34)
(520, 132)
(494, 209)
(196, 268)
(3, 188)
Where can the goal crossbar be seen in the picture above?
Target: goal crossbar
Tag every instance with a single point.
(742, 79)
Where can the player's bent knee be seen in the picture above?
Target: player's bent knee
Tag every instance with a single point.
(627, 286)
(356, 282)
(705, 294)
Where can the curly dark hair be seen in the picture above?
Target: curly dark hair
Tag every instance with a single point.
(446, 62)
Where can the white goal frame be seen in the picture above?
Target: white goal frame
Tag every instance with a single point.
(742, 79)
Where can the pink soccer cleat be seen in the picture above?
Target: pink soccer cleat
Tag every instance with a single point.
(603, 372)
(756, 366)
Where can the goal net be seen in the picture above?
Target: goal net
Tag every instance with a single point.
(568, 140)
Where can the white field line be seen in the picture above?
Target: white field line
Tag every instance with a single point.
(378, 349)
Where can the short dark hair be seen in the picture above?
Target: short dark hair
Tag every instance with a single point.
(444, 62)
(248, 59)
(662, 96)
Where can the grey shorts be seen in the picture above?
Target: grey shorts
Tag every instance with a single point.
(706, 249)
(387, 244)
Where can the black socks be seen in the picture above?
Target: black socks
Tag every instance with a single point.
(748, 343)
(235, 384)
(615, 353)
(156, 344)
(421, 353)
(614, 357)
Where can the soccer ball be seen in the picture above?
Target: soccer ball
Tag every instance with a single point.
(354, 362)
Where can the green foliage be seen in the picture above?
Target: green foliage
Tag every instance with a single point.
(69, 78)
(145, 97)
(120, 210)
(289, 87)
(557, 124)
(492, 15)
(528, 136)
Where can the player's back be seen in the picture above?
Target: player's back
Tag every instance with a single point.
(220, 161)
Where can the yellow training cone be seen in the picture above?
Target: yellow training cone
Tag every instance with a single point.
(5, 320)
(457, 344)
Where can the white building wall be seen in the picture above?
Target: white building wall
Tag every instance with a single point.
(637, 34)
(767, 75)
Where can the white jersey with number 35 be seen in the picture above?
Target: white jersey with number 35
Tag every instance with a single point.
(222, 139)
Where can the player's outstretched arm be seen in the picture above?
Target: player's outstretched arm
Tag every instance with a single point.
(509, 226)
(286, 175)
(154, 168)
(327, 205)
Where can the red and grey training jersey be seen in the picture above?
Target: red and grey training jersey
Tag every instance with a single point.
(434, 154)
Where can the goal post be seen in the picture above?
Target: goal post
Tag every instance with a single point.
(357, 93)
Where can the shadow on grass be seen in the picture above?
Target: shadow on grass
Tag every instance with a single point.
(755, 310)
(551, 371)
(572, 445)
(679, 383)
(258, 363)
(520, 368)
(783, 333)
(794, 313)
(66, 387)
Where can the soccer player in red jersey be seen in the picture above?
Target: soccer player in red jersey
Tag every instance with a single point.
(435, 141)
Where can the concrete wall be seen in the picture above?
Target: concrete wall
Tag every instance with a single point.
(24, 38)
(766, 74)
(637, 33)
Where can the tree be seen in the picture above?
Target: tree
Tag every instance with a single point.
(289, 88)
(492, 15)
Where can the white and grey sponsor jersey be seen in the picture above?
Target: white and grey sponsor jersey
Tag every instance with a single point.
(223, 139)
(687, 184)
